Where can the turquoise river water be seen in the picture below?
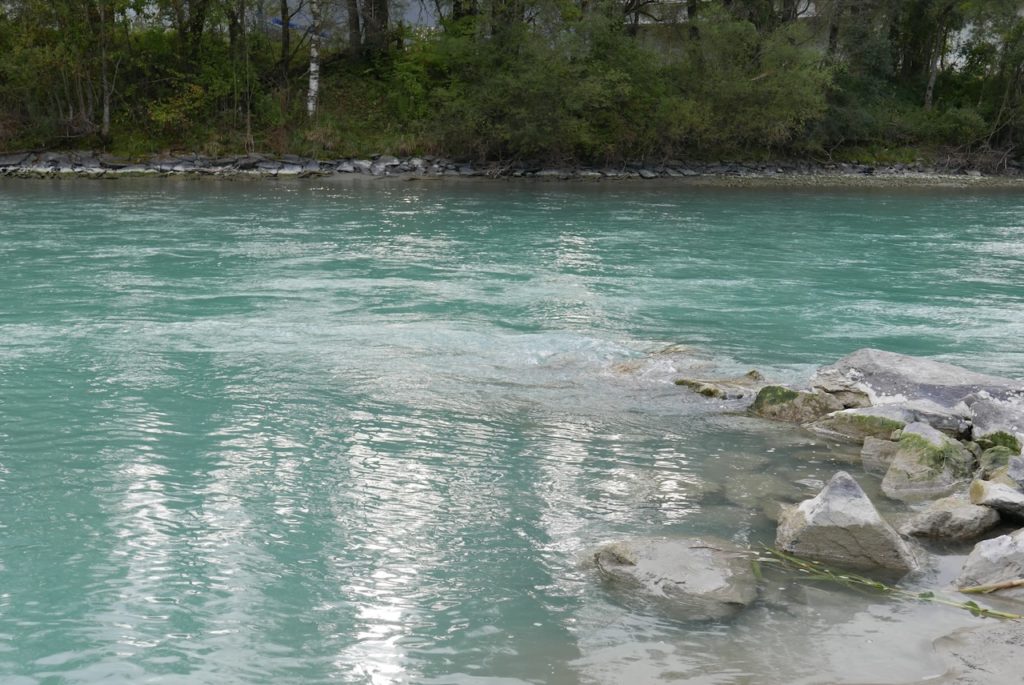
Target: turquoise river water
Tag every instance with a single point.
(367, 432)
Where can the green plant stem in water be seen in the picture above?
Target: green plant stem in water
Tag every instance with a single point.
(813, 570)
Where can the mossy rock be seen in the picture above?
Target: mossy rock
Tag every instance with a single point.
(995, 458)
(857, 424)
(773, 394)
(704, 388)
(783, 404)
(1000, 439)
(949, 455)
(927, 464)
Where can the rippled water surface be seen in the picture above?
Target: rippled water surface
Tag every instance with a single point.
(318, 432)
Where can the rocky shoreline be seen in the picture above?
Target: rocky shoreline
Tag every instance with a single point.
(947, 445)
(94, 165)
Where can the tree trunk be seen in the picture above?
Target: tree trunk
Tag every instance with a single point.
(790, 10)
(833, 27)
(355, 33)
(933, 73)
(314, 59)
(286, 40)
(375, 25)
(196, 25)
(249, 145)
(105, 80)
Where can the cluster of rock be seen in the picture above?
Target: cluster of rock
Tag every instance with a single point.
(944, 440)
(88, 164)
(937, 434)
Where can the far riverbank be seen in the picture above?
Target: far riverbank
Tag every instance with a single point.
(92, 165)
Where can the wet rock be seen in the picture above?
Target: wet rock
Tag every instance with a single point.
(783, 404)
(362, 166)
(998, 423)
(890, 378)
(927, 464)
(1007, 500)
(841, 526)
(876, 455)
(647, 174)
(346, 167)
(994, 561)
(951, 518)
(725, 388)
(859, 423)
(690, 579)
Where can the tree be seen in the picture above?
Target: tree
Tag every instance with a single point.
(314, 58)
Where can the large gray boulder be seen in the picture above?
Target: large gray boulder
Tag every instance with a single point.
(951, 518)
(927, 464)
(998, 496)
(994, 561)
(690, 579)
(841, 526)
(881, 377)
(783, 404)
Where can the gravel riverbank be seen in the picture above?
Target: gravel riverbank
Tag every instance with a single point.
(87, 164)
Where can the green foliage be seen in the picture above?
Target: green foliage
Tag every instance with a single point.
(750, 89)
(554, 81)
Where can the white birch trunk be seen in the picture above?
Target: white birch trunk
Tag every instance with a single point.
(314, 59)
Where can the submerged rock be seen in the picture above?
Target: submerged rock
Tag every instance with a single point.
(725, 388)
(951, 518)
(758, 490)
(994, 561)
(692, 579)
(783, 404)
(841, 526)
(986, 655)
(927, 464)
